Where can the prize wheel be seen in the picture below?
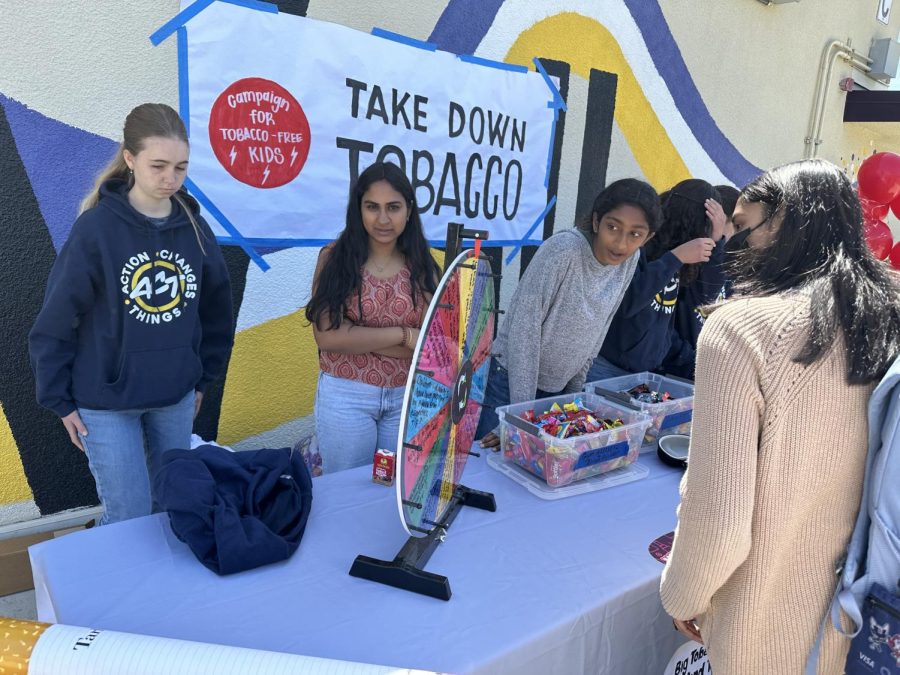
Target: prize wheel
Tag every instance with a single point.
(444, 392)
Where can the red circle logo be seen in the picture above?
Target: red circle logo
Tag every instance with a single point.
(259, 133)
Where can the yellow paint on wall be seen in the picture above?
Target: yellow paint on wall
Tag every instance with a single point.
(14, 486)
(271, 377)
(584, 43)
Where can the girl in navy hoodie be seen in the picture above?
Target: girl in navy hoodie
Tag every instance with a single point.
(137, 315)
(642, 332)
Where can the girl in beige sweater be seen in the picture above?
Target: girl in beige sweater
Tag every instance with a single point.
(778, 447)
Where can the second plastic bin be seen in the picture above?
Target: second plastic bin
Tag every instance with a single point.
(561, 461)
(669, 417)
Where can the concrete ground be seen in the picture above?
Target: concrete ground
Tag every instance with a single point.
(19, 606)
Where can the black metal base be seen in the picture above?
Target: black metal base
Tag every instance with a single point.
(406, 569)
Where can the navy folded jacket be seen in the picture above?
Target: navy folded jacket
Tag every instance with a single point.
(235, 510)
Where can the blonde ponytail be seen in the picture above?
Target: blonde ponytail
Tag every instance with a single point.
(117, 168)
(198, 232)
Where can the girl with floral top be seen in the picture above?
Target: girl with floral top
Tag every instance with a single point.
(370, 292)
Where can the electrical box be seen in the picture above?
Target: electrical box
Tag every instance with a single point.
(885, 55)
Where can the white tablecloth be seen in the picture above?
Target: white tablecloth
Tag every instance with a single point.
(544, 587)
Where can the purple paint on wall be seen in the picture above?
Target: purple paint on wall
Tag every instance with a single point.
(671, 66)
(463, 24)
(60, 160)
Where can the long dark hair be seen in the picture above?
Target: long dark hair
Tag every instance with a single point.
(341, 274)
(625, 191)
(684, 219)
(819, 246)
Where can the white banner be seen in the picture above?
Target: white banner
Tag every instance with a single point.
(285, 111)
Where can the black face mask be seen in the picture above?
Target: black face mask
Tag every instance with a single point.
(738, 242)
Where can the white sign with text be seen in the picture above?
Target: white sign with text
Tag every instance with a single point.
(285, 111)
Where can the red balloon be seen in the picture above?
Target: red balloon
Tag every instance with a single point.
(872, 211)
(895, 207)
(879, 238)
(895, 257)
(879, 177)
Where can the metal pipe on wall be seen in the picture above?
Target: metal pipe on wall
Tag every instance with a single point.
(833, 50)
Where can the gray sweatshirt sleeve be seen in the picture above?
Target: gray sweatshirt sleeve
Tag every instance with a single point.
(534, 296)
(576, 384)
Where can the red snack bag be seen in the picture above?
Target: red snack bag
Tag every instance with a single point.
(383, 467)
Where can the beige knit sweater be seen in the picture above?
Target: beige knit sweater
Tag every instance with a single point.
(771, 493)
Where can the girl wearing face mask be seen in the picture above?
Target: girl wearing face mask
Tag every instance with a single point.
(565, 301)
(136, 318)
(370, 292)
(779, 440)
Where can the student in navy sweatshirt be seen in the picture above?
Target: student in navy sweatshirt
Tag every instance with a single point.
(137, 315)
(710, 286)
(642, 333)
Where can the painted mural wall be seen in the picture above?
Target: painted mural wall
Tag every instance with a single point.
(662, 89)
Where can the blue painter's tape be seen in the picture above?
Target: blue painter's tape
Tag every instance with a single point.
(600, 455)
(224, 222)
(184, 101)
(404, 40)
(267, 7)
(499, 65)
(558, 100)
(676, 419)
(266, 242)
(540, 219)
(178, 21)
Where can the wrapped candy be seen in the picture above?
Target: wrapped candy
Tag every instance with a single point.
(644, 394)
(570, 420)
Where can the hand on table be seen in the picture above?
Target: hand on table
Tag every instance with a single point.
(688, 629)
(491, 440)
(74, 426)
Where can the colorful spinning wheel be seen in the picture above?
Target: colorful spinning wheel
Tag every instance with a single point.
(444, 392)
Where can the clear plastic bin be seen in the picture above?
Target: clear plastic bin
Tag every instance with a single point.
(669, 417)
(560, 461)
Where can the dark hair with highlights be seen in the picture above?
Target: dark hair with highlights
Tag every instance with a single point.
(625, 191)
(818, 246)
(684, 219)
(341, 274)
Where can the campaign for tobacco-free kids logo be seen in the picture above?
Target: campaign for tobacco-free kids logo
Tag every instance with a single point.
(157, 289)
(259, 133)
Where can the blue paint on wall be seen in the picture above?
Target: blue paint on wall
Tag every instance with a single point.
(669, 63)
(61, 162)
(463, 25)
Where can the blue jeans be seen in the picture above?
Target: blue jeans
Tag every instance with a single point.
(496, 396)
(122, 448)
(601, 369)
(353, 419)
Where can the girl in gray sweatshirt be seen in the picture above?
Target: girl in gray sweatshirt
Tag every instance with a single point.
(563, 305)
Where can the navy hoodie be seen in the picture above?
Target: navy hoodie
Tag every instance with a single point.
(689, 319)
(641, 332)
(135, 315)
